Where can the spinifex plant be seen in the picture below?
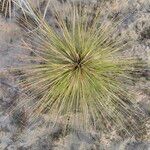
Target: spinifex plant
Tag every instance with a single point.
(78, 71)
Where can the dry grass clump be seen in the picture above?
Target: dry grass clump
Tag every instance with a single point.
(78, 72)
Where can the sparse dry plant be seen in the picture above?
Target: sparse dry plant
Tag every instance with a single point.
(6, 7)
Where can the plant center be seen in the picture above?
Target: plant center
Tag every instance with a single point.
(78, 64)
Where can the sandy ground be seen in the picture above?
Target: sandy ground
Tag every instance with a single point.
(40, 136)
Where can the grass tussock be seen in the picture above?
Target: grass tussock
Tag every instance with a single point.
(78, 72)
